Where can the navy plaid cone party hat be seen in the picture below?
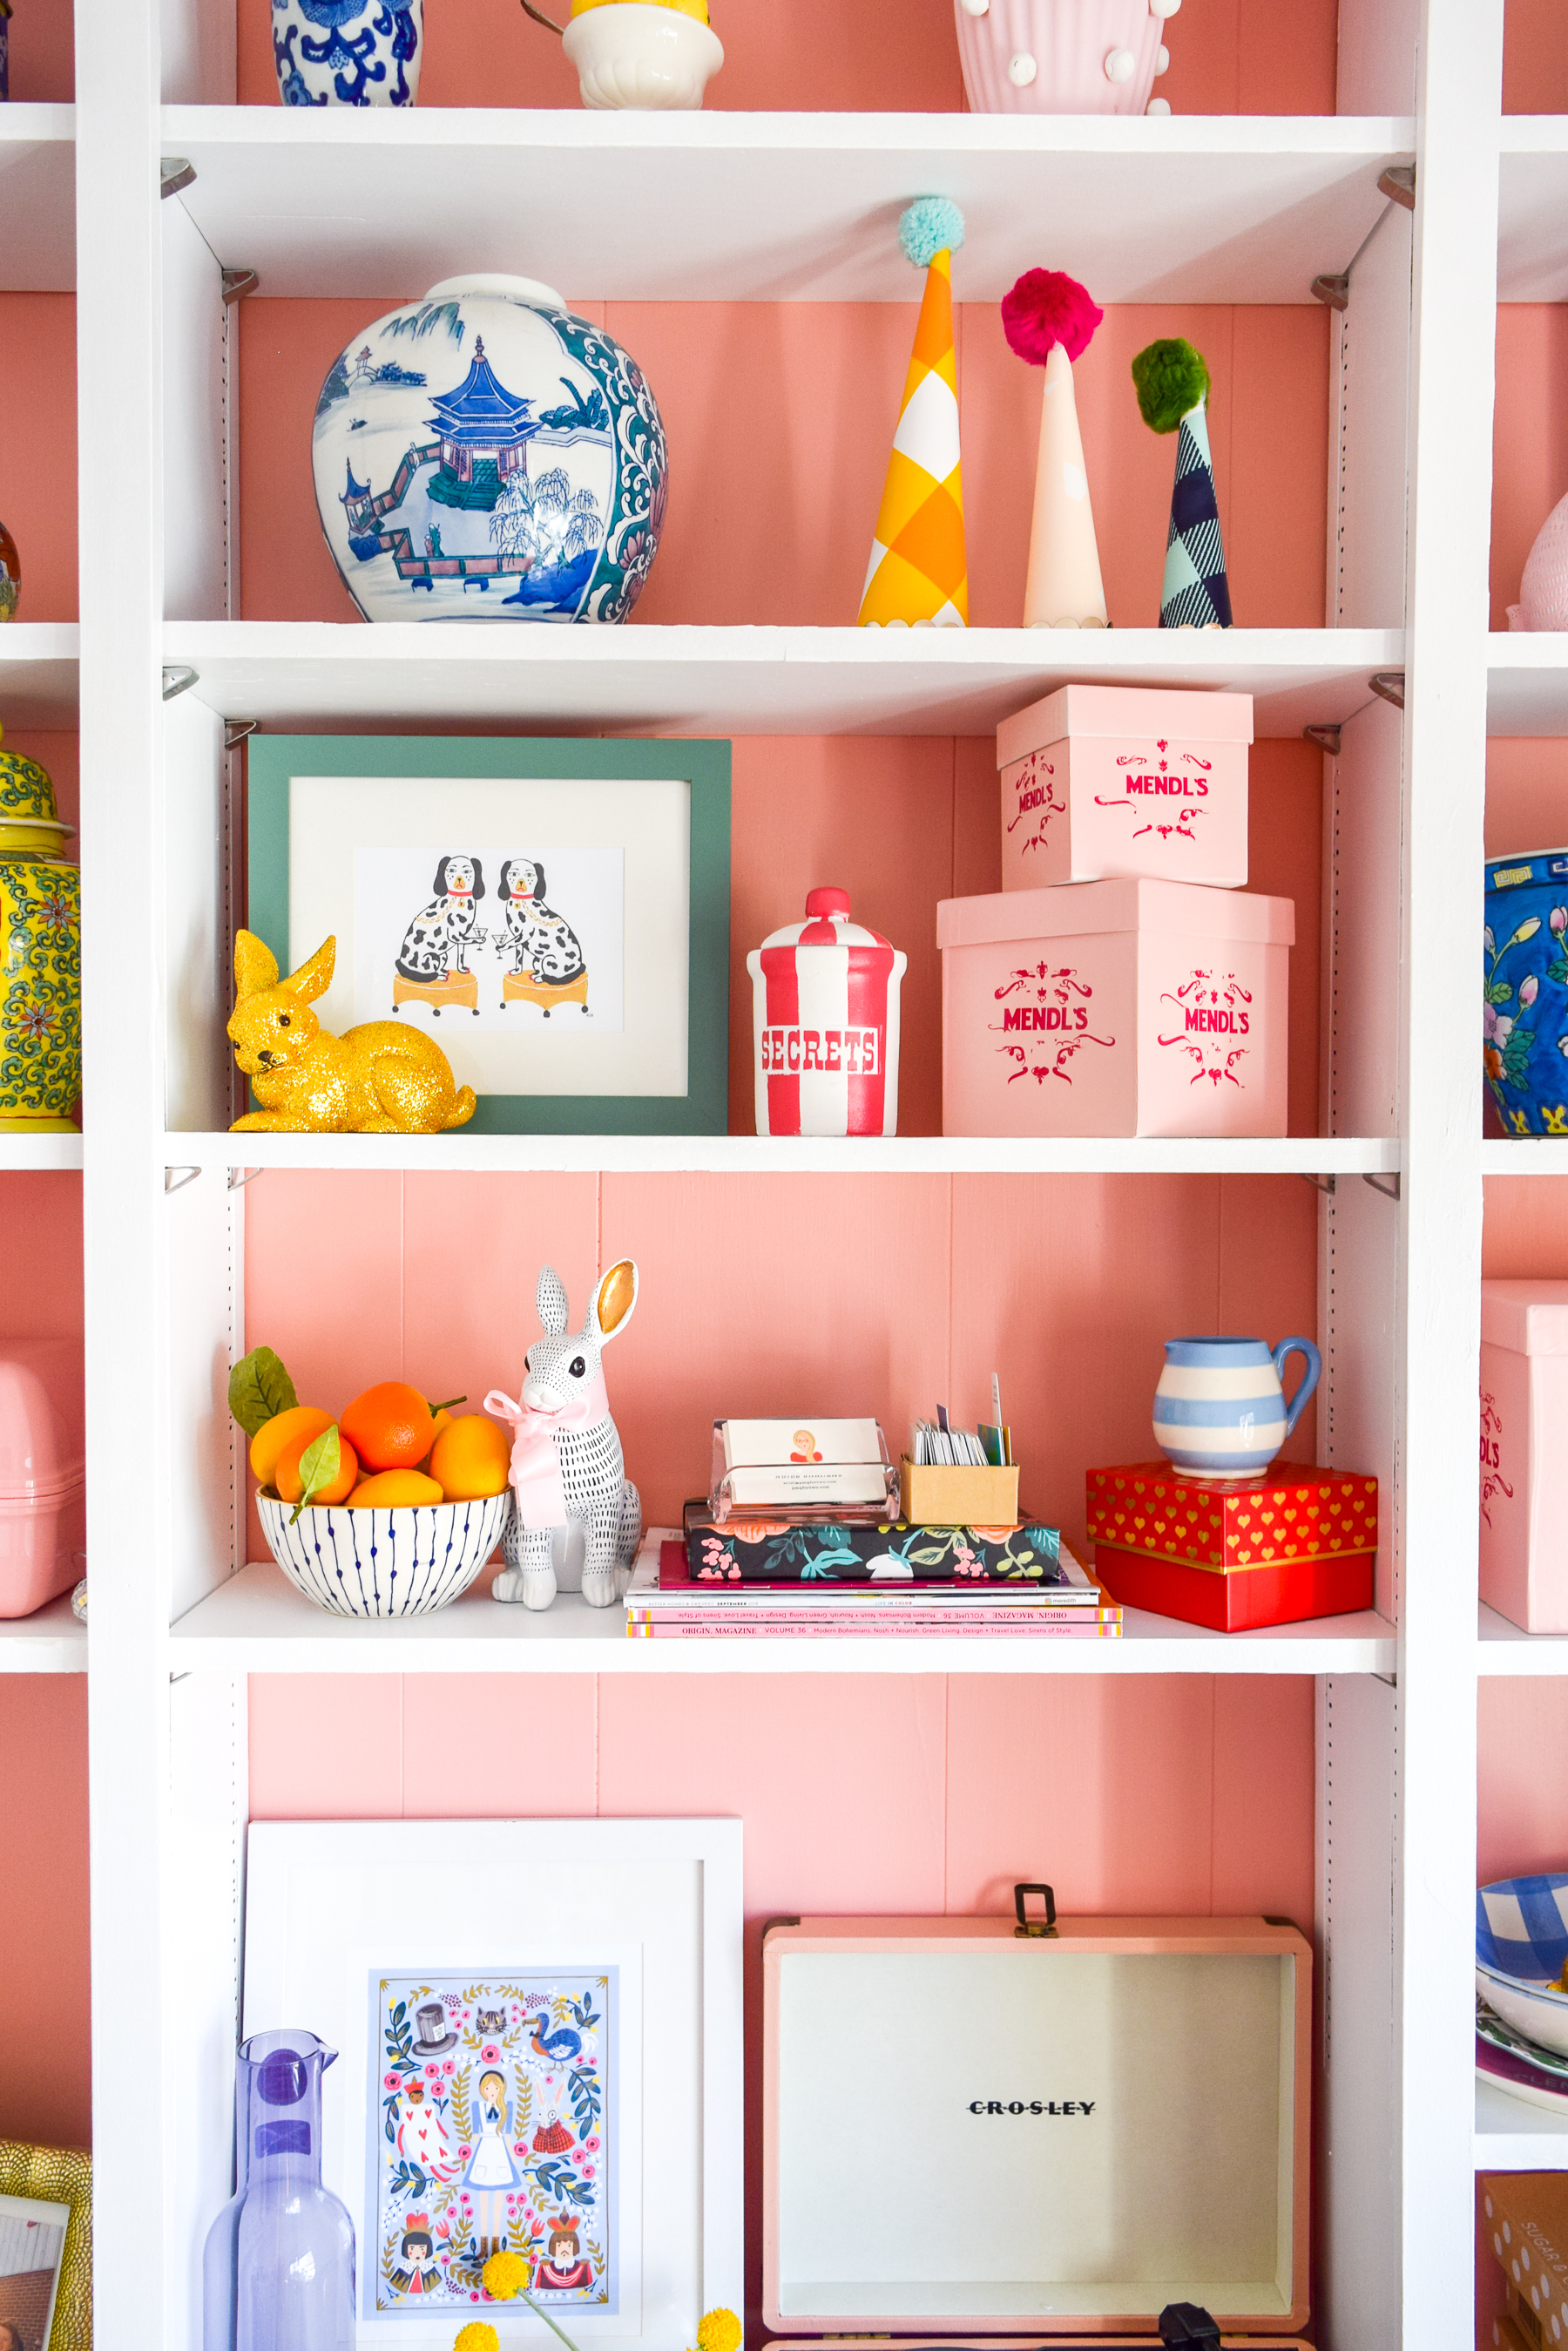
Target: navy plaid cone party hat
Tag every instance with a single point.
(1172, 383)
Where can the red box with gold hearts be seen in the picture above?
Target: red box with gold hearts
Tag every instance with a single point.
(1235, 1556)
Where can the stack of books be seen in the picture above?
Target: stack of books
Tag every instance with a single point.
(763, 1578)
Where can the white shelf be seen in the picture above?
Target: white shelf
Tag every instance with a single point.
(749, 1154)
(1533, 209)
(1511, 2135)
(52, 1642)
(1503, 1648)
(779, 207)
(1525, 1154)
(257, 1623)
(1527, 682)
(37, 199)
(25, 1154)
(690, 681)
(37, 658)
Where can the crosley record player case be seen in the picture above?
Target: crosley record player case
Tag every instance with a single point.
(974, 2128)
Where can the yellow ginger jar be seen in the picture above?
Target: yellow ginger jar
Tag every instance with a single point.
(40, 957)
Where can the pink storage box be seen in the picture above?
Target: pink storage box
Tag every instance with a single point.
(1524, 1451)
(43, 1483)
(1114, 1008)
(1101, 782)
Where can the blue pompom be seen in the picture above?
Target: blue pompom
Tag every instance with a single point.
(932, 224)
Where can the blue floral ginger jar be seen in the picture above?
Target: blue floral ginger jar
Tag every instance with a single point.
(484, 454)
(40, 957)
(348, 52)
(1525, 991)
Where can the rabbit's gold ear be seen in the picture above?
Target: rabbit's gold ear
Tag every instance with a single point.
(314, 976)
(615, 1297)
(255, 965)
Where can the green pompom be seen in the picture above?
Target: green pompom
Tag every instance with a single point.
(1170, 378)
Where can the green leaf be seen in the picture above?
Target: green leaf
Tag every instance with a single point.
(259, 1389)
(1499, 992)
(319, 1466)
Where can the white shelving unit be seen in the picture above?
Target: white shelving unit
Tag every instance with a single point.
(773, 208)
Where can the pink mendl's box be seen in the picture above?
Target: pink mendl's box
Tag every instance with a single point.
(1115, 1008)
(968, 2132)
(1524, 1451)
(1104, 782)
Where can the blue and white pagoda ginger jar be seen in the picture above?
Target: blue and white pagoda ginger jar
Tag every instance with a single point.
(348, 52)
(484, 454)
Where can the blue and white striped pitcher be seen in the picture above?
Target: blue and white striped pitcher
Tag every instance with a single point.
(1219, 1409)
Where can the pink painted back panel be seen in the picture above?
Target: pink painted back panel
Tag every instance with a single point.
(43, 59)
(1522, 1766)
(1535, 59)
(903, 1794)
(803, 456)
(45, 2063)
(38, 468)
(1530, 429)
(1229, 56)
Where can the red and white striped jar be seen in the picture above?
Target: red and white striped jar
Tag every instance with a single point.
(824, 1021)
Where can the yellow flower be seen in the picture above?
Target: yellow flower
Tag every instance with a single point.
(1556, 1120)
(505, 2276)
(478, 2337)
(720, 2331)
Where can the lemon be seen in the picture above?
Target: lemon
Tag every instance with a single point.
(698, 8)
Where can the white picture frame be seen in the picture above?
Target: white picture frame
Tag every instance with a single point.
(332, 1905)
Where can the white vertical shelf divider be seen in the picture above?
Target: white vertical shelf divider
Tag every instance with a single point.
(1458, 105)
(121, 458)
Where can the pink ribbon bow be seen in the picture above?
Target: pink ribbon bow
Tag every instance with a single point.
(536, 1457)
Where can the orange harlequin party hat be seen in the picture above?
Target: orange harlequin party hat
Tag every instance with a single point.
(919, 573)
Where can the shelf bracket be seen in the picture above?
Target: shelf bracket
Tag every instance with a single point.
(235, 731)
(237, 284)
(174, 173)
(176, 1178)
(1326, 1185)
(1334, 289)
(1325, 737)
(177, 681)
(1387, 1185)
(1398, 184)
(240, 1176)
(1389, 685)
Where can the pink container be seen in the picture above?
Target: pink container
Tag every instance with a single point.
(1109, 781)
(43, 1483)
(825, 1024)
(1114, 1008)
(1523, 1451)
(1062, 57)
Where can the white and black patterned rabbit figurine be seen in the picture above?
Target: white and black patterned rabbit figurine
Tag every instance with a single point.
(566, 1463)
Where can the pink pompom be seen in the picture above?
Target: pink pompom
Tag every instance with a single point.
(1047, 307)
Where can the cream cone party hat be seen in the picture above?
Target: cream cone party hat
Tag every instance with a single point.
(1049, 320)
(919, 573)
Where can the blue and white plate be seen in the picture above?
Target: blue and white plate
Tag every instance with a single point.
(1521, 1946)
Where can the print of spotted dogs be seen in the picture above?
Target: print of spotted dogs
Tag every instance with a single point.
(438, 939)
(542, 944)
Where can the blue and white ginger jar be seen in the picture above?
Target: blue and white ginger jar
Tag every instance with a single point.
(348, 52)
(484, 454)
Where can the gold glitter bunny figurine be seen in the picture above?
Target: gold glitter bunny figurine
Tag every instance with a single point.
(378, 1079)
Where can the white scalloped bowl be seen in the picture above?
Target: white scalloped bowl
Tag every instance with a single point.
(628, 53)
(1536, 2009)
(1048, 56)
(402, 1562)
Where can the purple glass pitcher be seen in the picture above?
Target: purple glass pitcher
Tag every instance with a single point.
(278, 2268)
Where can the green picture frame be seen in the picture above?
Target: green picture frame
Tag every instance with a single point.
(704, 1108)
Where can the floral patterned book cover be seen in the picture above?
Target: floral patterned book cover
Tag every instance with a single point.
(498, 2117)
(777, 1550)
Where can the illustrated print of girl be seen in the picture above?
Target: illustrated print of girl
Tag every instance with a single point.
(490, 2174)
(563, 2269)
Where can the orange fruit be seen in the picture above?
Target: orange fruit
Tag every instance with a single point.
(395, 1489)
(301, 1419)
(389, 1426)
(471, 1459)
(291, 1486)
